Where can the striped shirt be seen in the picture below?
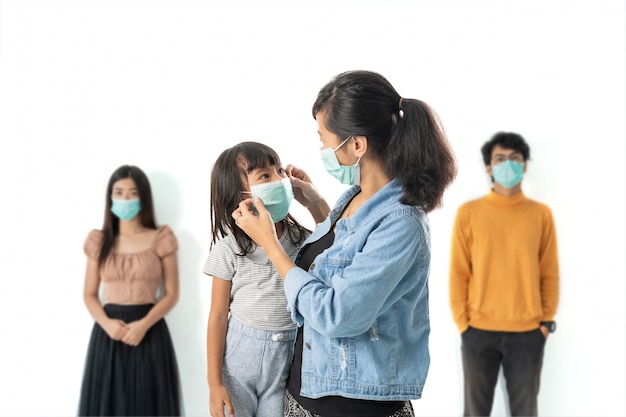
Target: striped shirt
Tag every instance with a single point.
(257, 297)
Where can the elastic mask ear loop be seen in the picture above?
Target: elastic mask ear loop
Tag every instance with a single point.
(341, 144)
(244, 192)
(248, 192)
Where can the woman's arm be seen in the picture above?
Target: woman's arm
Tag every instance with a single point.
(137, 329)
(113, 327)
(392, 263)
(215, 341)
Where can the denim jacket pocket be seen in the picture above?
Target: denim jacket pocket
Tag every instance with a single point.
(332, 358)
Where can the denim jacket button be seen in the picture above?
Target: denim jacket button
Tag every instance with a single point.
(307, 346)
(311, 267)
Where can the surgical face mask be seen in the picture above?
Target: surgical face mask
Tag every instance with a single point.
(276, 196)
(126, 209)
(508, 173)
(345, 174)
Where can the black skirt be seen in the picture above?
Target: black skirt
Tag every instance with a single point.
(123, 380)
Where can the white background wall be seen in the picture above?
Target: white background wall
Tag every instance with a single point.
(86, 86)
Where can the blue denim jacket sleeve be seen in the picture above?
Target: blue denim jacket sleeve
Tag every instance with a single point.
(365, 270)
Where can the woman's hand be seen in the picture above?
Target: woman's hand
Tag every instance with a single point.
(135, 332)
(259, 227)
(115, 328)
(218, 399)
(304, 191)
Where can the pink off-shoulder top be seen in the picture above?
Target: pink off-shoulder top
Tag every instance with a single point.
(132, 278)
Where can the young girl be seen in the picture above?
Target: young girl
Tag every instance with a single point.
(250, 334)
(131, 366)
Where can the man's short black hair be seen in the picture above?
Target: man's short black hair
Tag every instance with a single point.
(506, 140)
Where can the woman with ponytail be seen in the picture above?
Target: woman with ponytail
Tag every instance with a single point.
(358, 289)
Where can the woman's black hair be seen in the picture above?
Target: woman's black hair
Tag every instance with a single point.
(227, 183)
(404, 132)
(111, 225)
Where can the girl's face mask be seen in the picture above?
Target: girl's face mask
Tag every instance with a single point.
(276, 196)
(345, 174)
(126, 209)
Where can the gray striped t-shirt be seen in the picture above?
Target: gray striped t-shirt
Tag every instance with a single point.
(257, 297)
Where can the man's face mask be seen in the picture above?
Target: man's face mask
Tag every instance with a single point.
(508, 173)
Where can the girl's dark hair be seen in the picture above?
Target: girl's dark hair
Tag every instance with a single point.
(229, 171)
(404, 132)
(111, 225)
(506, 140)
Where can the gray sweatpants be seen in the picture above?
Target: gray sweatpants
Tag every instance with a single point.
(255, 370)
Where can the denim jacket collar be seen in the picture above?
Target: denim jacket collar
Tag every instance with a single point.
(370, 210)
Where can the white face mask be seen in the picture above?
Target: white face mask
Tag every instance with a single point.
(345, 174)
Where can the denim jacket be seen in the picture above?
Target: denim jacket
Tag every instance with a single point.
(363, 303)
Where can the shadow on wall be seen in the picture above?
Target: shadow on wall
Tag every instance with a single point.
(186, 321)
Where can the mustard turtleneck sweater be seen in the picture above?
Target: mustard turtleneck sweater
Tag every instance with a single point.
(504, 270)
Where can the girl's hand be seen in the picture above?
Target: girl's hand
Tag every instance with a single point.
(135, 333)
(115, 328)
(259, 227)
(304, 191)
(218, 399)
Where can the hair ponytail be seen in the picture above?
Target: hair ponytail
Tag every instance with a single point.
(418, 153)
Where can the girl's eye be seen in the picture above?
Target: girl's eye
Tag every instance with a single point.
(281, 171)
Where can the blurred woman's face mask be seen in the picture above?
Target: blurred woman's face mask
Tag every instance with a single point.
(126, 209)
(345, 174)
(276, 196)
